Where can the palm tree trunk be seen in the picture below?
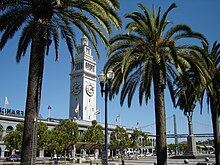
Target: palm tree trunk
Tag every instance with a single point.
(215, 123)
(35, 75)
(161, 144)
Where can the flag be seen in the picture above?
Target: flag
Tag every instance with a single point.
(77, 108)
(6, 100)
(97, 112)
(117, 117)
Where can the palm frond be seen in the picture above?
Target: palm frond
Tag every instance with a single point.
(149, 19)
(161, 27)
(24, 41)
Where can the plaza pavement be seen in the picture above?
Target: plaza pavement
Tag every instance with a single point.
(149, 161)
(141, 161)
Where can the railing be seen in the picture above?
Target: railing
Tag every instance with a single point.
(186, 135)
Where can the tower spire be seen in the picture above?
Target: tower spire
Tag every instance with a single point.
(84, 40)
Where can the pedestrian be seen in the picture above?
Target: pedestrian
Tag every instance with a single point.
(122, 160)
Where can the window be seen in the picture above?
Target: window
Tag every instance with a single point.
(88, 51)
(78, 66)
(90, 67)
(9, 129)
(1, 131)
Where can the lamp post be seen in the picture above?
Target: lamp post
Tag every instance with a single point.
(105, 83)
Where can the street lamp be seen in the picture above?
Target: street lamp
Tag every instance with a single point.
(105, 83)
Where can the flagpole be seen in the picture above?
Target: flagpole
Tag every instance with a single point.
(48, 108)
(118, 122)
(6, 103)
(48, 113)
(4, 109)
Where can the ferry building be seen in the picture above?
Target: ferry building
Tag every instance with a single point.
(82, 102)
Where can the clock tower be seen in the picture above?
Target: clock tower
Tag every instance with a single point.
(83, 84)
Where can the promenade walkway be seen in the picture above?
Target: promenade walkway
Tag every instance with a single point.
(141, 161)
(145, 161)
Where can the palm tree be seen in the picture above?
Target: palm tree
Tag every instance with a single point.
(42, 22)
(188, 91)
(211, 56)
(199, 80)
(146, 55)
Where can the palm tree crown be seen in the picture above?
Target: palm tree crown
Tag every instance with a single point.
(54, 18)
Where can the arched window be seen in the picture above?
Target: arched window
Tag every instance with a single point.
(9, 129)
(1, 131)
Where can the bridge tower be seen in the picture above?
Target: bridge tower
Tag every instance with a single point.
(191, 138)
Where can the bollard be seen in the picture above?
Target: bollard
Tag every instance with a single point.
(186, 161)
(207, 159)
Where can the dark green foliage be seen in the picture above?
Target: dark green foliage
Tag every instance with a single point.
(139, 139)
(13, 139)
(42, 135)
(94, 134)
(119, 139)
(63, 136)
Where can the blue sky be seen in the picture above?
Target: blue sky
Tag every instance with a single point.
(202, 16)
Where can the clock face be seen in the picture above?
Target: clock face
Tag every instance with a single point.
(76, 88)
(90, 89)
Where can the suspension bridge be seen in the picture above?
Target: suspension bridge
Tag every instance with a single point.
(186, 135)
(175, 135)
